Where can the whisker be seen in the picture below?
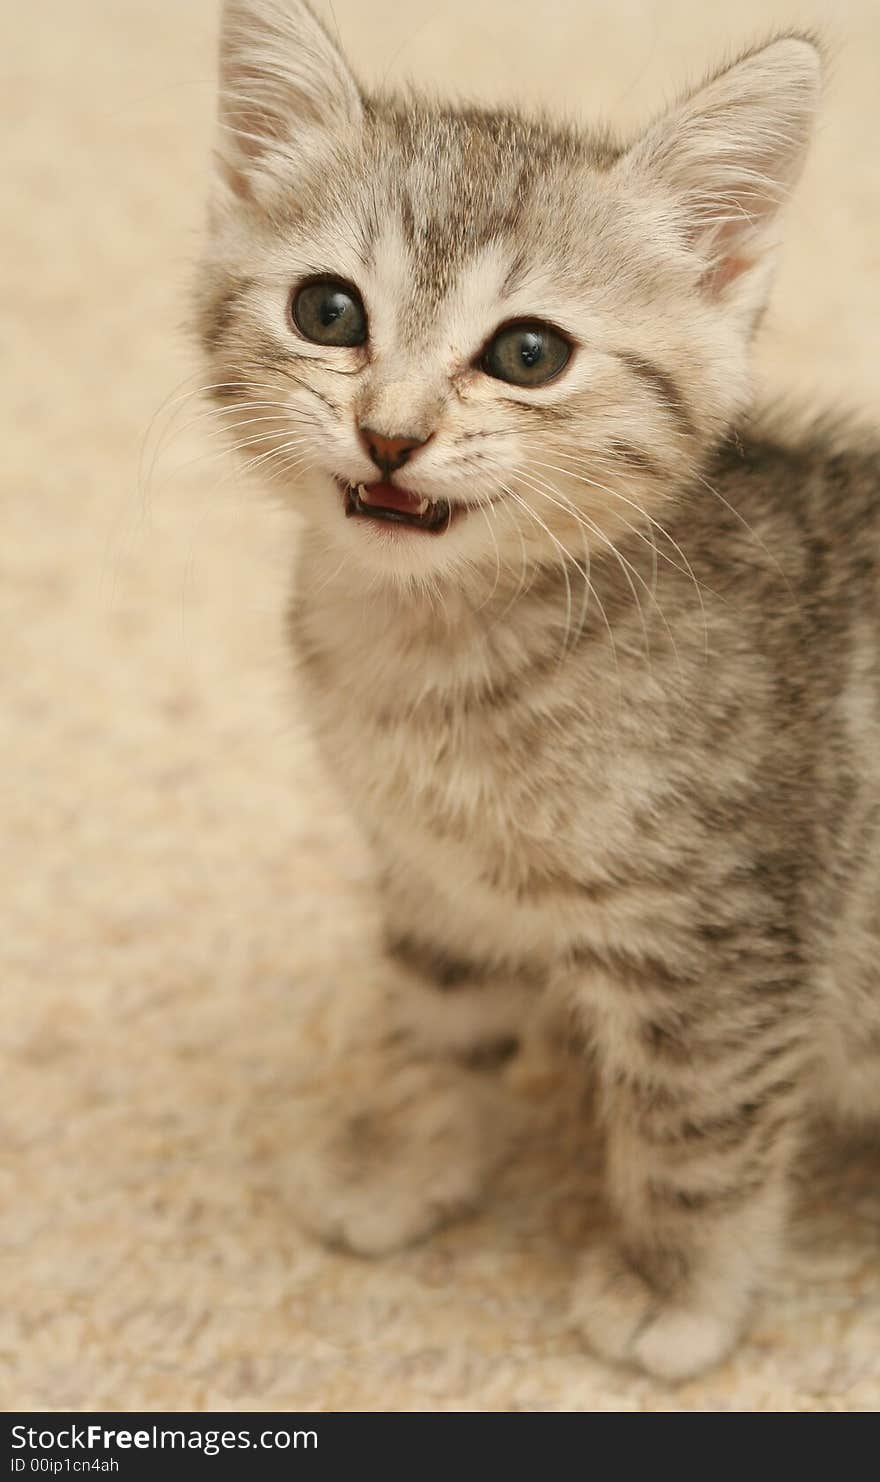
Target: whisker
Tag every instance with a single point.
(626, 567)
(566, 505)
(170, 431)
(222, 454)
(567, 557)
(488, 599)
(615, 494)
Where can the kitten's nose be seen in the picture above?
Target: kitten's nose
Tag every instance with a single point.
(389, 453)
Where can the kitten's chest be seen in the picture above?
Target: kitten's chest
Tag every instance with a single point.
(507, 769)
(437, 763)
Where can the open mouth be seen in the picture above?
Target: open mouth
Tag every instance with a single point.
(398, 507)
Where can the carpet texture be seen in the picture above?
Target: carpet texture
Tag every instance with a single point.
(188, 944)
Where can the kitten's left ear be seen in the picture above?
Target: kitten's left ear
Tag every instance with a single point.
(280, 74)
(729, 156)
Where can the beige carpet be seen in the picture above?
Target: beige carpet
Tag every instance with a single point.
(188, 934)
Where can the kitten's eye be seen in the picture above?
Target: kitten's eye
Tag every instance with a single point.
(330, 313)
(525, 354)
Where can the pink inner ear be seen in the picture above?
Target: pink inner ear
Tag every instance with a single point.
(731, 252)
(717, 278)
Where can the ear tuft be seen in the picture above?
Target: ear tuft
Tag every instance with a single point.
(730, 153)
(280, 73)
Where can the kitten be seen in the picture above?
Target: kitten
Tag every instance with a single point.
(596, 658)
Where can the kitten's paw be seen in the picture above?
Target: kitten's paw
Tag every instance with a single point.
(478, 1025)
(623, 1319)
(383, 1171)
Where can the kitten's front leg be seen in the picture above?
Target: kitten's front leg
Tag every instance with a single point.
(445, 1004)
(412, 1132)
(700, 1108)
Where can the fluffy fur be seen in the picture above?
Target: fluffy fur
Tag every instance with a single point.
(614, 734)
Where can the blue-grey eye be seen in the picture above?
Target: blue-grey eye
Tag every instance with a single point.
(526, 354)
(329, 313)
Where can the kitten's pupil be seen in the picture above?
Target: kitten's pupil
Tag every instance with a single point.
(333, 307)
(532, 349)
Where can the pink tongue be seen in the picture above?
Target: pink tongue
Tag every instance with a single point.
(389, 497)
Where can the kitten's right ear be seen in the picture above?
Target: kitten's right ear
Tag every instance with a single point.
(280, 74)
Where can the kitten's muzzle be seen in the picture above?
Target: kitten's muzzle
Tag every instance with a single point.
(389, 453)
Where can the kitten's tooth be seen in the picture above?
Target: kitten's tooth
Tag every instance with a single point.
(423, 505)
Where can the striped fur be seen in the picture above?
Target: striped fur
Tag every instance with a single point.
(614, 736)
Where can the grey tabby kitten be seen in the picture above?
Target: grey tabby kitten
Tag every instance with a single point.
(595, 657)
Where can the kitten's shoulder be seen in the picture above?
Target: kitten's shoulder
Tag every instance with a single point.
(797, 436)
(809, 459)
(790, 483)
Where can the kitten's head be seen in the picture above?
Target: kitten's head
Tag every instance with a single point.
(470, 341)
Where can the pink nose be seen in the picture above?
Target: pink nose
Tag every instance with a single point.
(389, 453)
